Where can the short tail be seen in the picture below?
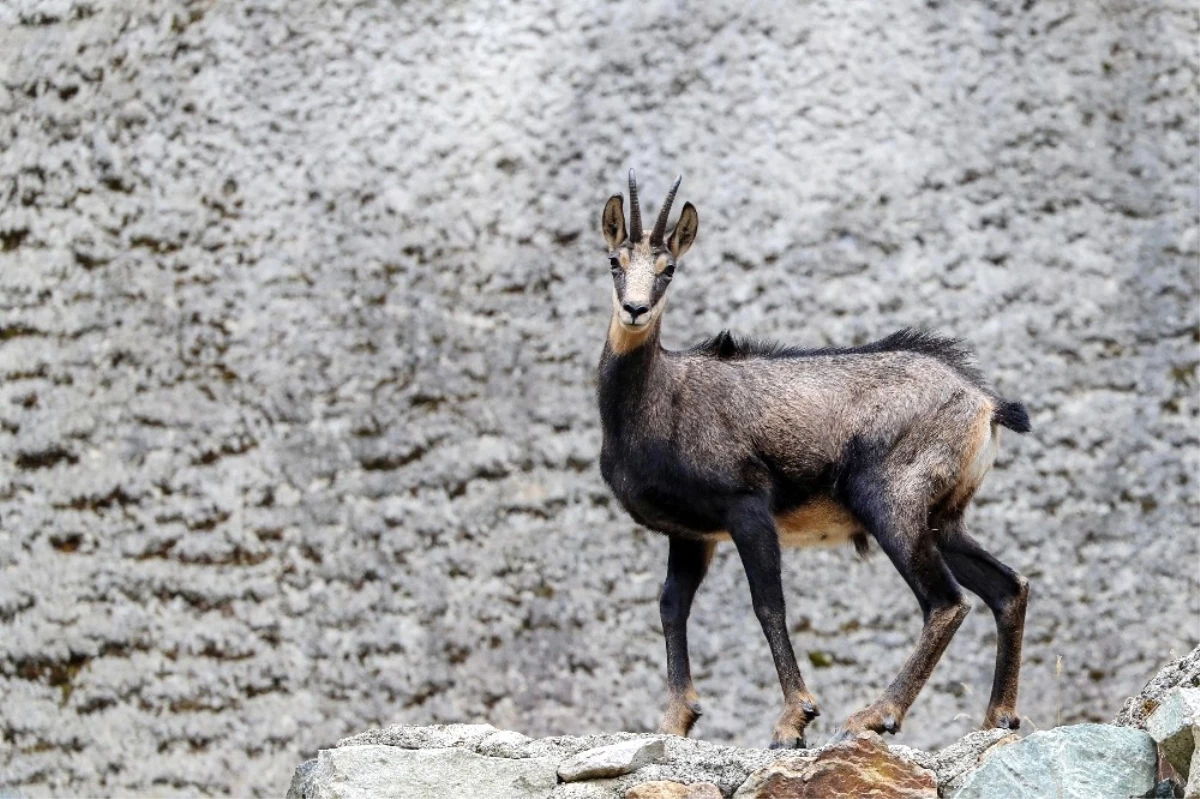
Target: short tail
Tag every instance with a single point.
(1012, 415)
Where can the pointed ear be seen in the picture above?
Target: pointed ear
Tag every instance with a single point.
(613, 221)
(685, 231)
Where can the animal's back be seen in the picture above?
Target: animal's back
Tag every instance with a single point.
(805, 407)
(924, 358)
(914, 401)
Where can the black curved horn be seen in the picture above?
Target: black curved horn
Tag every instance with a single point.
(635, 211)
(660, 227)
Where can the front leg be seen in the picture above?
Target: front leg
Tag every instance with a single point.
(687, 564)
(753, 531)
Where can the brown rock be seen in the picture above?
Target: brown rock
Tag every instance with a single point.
(860, 768)
(668, 789)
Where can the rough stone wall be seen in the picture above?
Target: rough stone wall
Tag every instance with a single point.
(299, 310)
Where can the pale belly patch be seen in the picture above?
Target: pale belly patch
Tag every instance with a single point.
(820, 523)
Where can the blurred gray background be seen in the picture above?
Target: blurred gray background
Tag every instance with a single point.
(300, 305)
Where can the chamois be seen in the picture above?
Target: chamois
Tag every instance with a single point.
(769, 445)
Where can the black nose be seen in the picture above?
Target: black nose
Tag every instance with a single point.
(635, 310)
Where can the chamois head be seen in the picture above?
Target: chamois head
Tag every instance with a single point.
(643, 262)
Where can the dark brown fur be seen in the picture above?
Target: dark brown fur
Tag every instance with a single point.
(768, 446)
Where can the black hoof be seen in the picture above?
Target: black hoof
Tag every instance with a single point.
(811, 711)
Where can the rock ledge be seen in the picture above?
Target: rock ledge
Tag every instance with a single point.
(446, 760)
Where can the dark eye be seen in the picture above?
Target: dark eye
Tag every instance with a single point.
(614, 262)
(669, 271)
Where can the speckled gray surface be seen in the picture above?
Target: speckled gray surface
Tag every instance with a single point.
(300, 305)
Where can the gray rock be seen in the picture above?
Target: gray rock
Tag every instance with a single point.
(504, 743)
(669, 789)
(302, 781)
(685, 760)
(431, 736)
(600, 789)
(1084, 761)
(1181, 673)
(486, 740)
(1174, 726)
(954, 762)
(389, 772)
(614, 760)
(691, 761)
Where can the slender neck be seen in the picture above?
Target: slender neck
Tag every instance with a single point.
(630, 363)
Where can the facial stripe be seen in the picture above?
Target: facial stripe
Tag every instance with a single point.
(639, 285)
(619, 282)
(660, 288)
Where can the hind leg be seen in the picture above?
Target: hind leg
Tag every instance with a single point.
(899, 527)
(1006, 593)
